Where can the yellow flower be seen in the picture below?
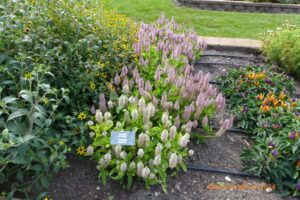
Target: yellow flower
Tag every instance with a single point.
(26, 30)
(110, 87)
(92, 86)
(81, 116)
(251, 75)
(45, 101)
(104, 75)
(28, 75)
(81, 150)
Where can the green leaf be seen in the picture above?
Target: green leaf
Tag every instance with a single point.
(7, 100)
(20, 176)
(183, 166)
(48, 122)
(41, 196)
(18, 160)
(16, 114)
(45, 181)
(129, 182)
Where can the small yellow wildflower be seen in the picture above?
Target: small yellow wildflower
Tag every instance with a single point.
(81, 150)
(26, 30)
(45, 101)
(81, 116)
(110, 87)
(92, 86)
(103, 74)
(28, 75)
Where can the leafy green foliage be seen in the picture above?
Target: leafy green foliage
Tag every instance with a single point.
(51, 53)
(282, 47)
(245, 88)
(263, 105)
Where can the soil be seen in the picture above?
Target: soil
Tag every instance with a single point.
(80, 181)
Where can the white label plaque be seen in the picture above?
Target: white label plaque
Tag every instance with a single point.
(122, 138)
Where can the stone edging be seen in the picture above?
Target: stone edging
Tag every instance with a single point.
(240, 6)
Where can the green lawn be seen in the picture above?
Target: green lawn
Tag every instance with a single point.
(206, 23)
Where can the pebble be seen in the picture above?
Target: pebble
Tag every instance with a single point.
(227, 178)
(98, 188)
(268, 189)
(177, 187)
(156, 194)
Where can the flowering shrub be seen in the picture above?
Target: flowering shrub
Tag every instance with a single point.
(282, 48)
(29, 145)
(247, 88)
(82, 44)
(52, 52)
(262, 103)
(161, 100)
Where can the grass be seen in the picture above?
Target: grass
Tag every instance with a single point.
(206, 23)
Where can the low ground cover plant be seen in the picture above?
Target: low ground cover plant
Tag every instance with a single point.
(161, 100)
(264, 105)
(247, 87)
(282, 47)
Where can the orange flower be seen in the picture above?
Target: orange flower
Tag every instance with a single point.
(266, 101)
(265, 108)
(298, 163)
(241, 82)
(282, 96)
(271, 98)
(275, 103)
(260, 96)
(294, 104)
(256, 83)
(282, 104)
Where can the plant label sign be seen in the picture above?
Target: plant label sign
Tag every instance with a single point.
(122, 138)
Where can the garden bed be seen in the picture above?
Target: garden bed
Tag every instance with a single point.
(80, 180)
(241, 6)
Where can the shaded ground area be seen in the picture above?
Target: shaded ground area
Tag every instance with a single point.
(80, 180)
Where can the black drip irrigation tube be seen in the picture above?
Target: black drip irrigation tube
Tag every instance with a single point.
(222, 171)
(214, 63)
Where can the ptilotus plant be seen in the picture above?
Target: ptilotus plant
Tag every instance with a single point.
(161, 100)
